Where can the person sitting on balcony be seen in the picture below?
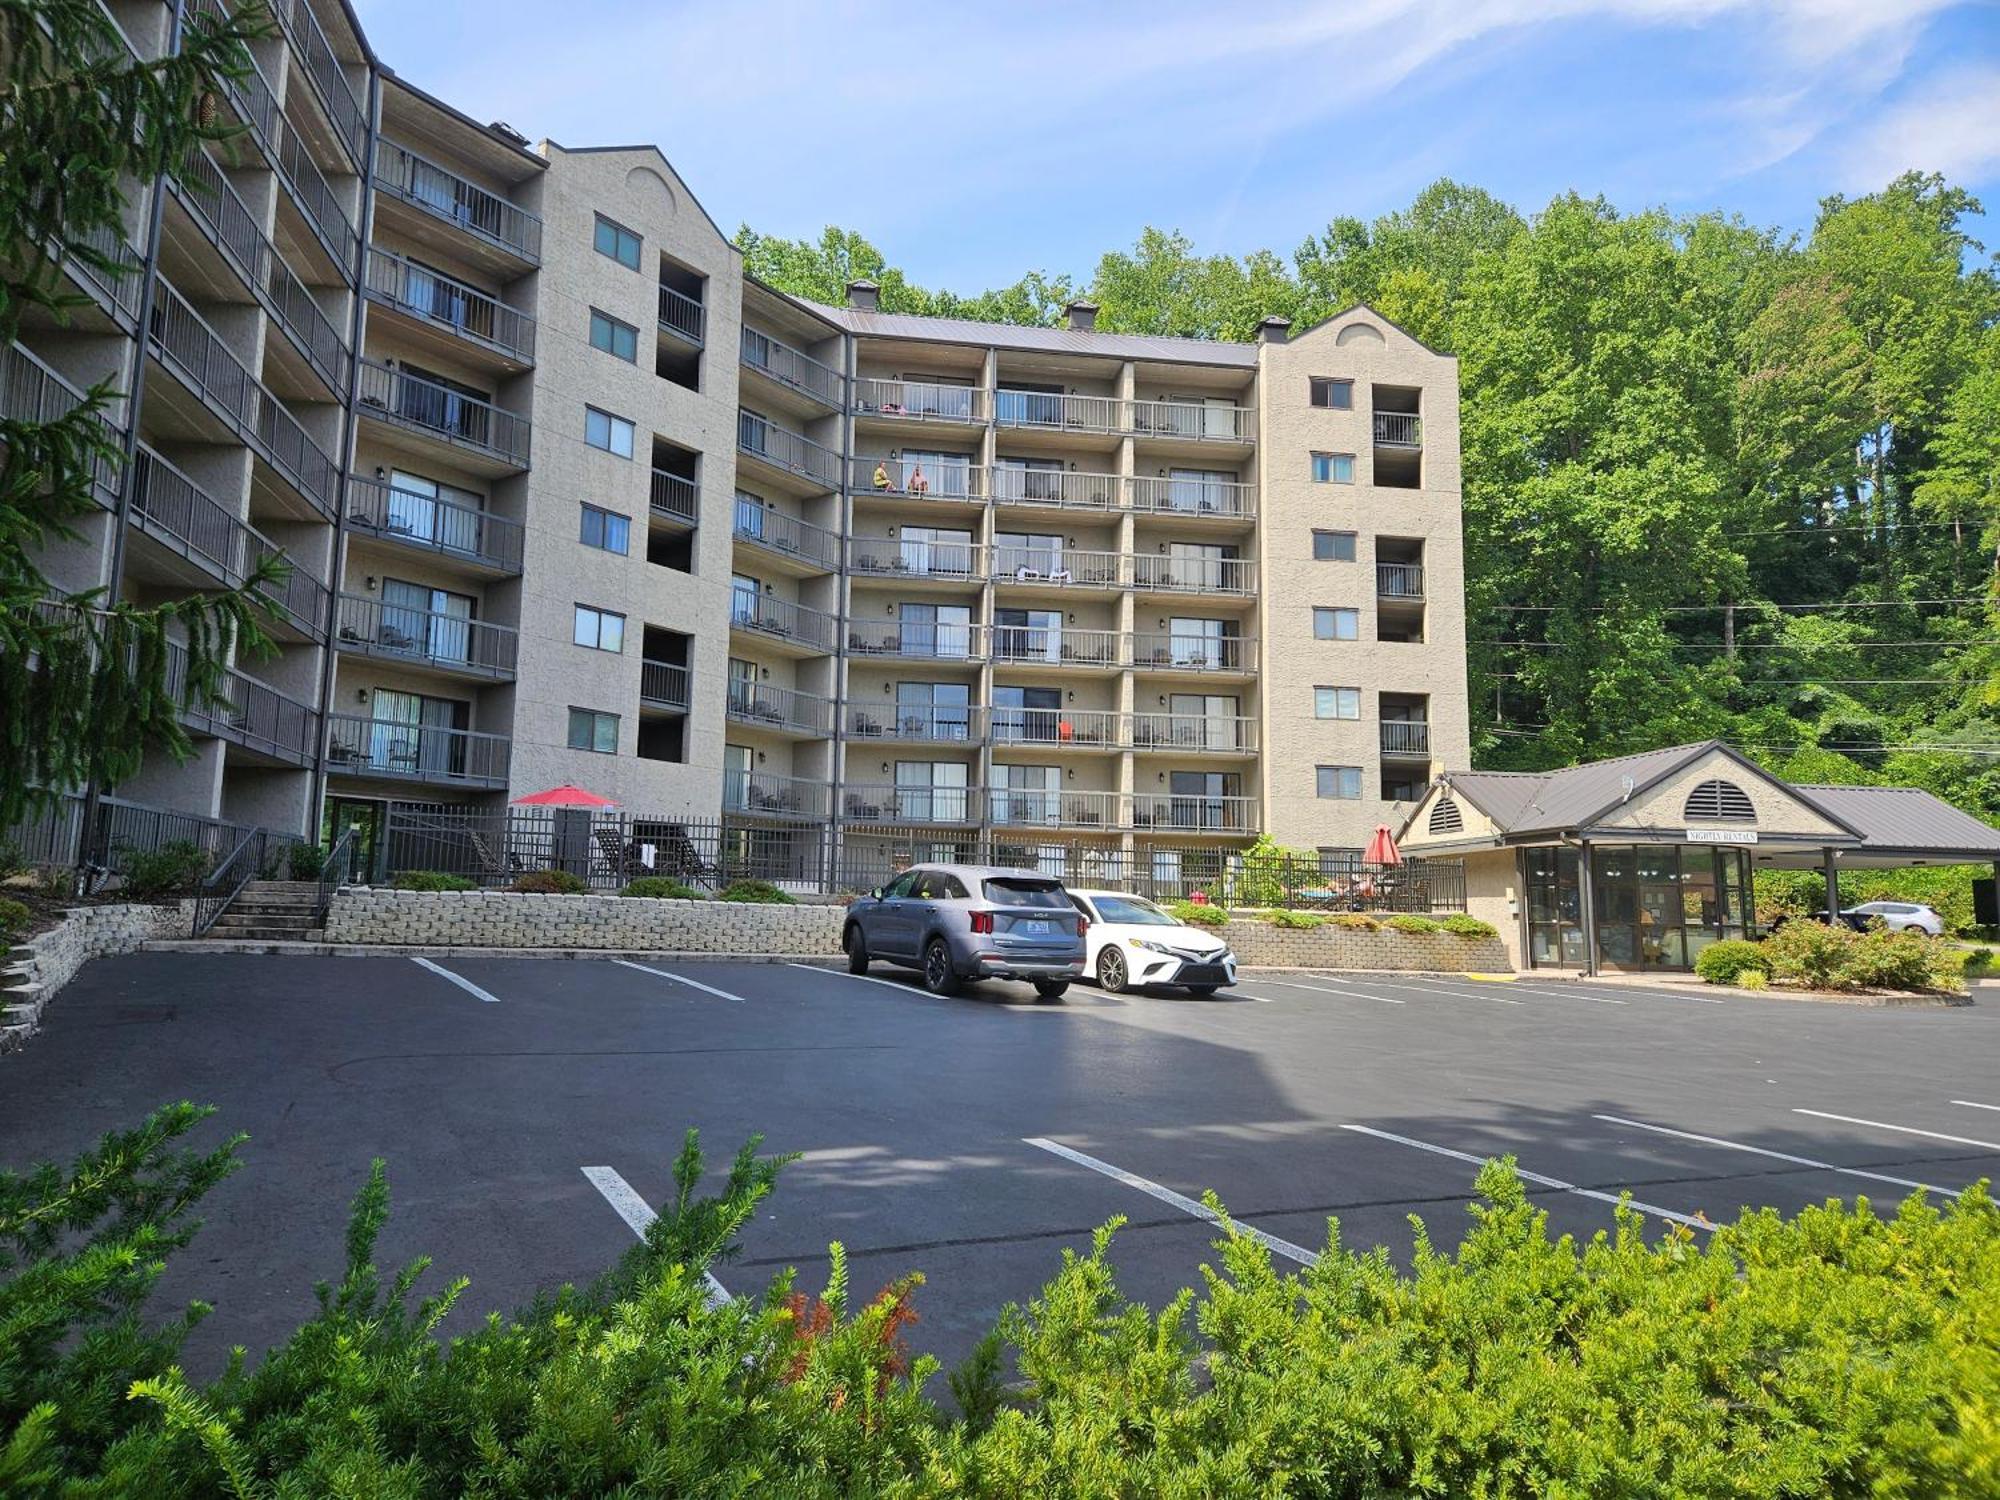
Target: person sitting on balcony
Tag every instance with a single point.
(918, 484)
(881, 476)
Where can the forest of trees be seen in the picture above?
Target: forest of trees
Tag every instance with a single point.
(1718, 480)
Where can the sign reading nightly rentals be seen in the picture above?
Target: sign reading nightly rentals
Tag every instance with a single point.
(1722, 835)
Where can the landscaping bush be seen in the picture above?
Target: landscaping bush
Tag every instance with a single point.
(1726, 961)
(1839, 1353)
(1298, 921)
(431, 880)
(550, 883)
(1808, 953)
(1907, 960)
(662, 888)
(14, 919)
(1356, 921)
(1462, 925)
(1753, 979)
(1411, 923)
(1200, 914)
(306, 861)
(170, 870)
(756, 891)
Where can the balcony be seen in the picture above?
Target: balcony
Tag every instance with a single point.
(1398, 429)
(1163, 573)
(1192, 498)
(511, 232)
(249, 713)
(416, 752)
(663, 684)
(1168, 812)
(800, 627)
(1014, 808)
(1399, 580)
(910, 479)
(675, 498)
(793, 369)
(322, 66)
(683, 316)
(114, 286)
(917, 724)
(1195, 734)
(1409, 738)
(917, 640)
(1168, 651)
(1194, 421)
(1058, 729)
(780, 710)
(462, 533)
(450, 644)
(915, 559)
(791, 453)
(1060, 489)
(1049, 412)
(463, 313)
(468, 425)
(32, 392)
(808, 548)
(316, 201)
(1038, 646)
(755, 794)
(1064, 567)
(920, 401)
(909, 806)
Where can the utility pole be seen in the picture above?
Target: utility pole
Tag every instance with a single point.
(1729, 632)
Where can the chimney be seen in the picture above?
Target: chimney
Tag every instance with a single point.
(862, 293)
(1273, 330)
(1082, 316)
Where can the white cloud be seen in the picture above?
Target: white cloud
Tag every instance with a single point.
(1951, 126)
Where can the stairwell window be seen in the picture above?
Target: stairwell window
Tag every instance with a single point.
(599, 629)
(602, 430)
(620, 340)
(605, 530)
(1336, 395)
(618, 242)
(1333, 546)
(1333, 468)
(1336, 703)
(593, 731)
(1337, 624)
(1340, 783)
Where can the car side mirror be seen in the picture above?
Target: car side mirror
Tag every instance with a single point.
(876, 894)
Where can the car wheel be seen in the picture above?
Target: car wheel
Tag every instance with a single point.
(1112, 975)
(1051, 989)
(1202, 991)
(940, 978)
(857, 951)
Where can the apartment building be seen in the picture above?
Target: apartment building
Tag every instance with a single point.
(570, 499)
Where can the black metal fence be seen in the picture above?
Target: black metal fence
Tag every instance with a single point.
(57, 837)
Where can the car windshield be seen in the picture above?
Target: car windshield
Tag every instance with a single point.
(1134, 911)
(1026, 893)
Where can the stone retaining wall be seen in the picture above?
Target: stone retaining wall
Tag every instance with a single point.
(45, 963)
(1260, 945)
(501, 919)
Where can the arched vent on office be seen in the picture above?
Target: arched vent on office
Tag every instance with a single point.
(1719, 802)
(1445, 817)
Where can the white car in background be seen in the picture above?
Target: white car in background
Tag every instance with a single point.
(1899, 915)
(1132, 944)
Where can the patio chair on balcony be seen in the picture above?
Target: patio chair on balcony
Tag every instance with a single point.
(403, 756)
(858, 807)
(867, 727)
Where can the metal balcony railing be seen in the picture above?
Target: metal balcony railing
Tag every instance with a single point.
(248, 713)
(1192, 652)
(1399, 429)
(251, 96)
(1020, 562)
(1399, 580)
(1194, 813)
(114, 288)
(453, 643)
(919, 400)
(32, 392)
(358, 746)
(683, 315)
(1195, 497)
(188, 346)
(432, 524)
(760, 705)
(792, 367)
(1194, 733)
(924, 640)
(1195, 421)
(309, 41)
(781, 618)
(916, 478)
(1046, 409)
(675, 497)
(882, 802)
(1062, 488)
(1015, 807)
(663, 684)
(787, 535)
(1406, 737)
(1058, 727)
(922, 723)
(759, 795)
(426, 406)
(442, 193)
(788, 450)
(1166, 573)
(915, 557)
(316, 200)
(441, 300)
(288, 449)
(1063, 646)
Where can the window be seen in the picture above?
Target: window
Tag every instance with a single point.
(1337, 624)
(602, 430)
(1335, 394)
(614, 337)
(1333, 468)
(591, 730)
(618, 242)
(605, 529)
(1336, 703)
(1333, 546)
(599, 629)
(1719, 802)
(1340, 782)
(1445, 817)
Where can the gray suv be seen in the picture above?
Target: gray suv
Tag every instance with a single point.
(959, 922)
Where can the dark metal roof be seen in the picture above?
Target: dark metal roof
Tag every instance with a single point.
(1134, 346)
(1907, 819)
(1573, 797)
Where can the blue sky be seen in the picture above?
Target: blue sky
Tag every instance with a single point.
(973, 142)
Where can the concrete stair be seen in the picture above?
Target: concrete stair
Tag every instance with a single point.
(271, 911)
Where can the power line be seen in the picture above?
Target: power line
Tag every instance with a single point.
(1839, 746)
(1748, 606)
(1855, 526)
(1759, 645)
(1824, 681)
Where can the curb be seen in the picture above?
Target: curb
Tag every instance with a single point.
(434, 950)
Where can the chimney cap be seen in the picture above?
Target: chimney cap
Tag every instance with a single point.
(863, 294)
(1082, 315)
(1273, 330)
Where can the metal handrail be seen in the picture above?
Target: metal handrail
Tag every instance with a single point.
(1066, 646)
(1061, 488)
(1181, 652)
(1163, 571)
(172, 507)
(792, 451)
(781, 617)
(917, 557)
(335, 873)
(913, 479)
(382, 510)
(400, 632)
(1061, 728)
(893, 802)
(1039, 807)
(919, 400)
(1194, 421)
(1050, 410)
(1194, 812)
(1032, 562)
(32, 392)
(682, 314)
(1399, 580)
(225, 882)
(950, 724)
(761, 794)
(792, 367)
(315, 199)
(358, 746)
(663, 683)
(757, 703)
(473, 315)
(923, 640)
(1194, 733)
(417, 180)
(322, 66)
(1406, 737)
(426, 406)
(1188, 496)
(675, 496)
(1399, 429)
(766, 526)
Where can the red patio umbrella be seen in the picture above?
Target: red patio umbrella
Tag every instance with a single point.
(565, 795)
(1382, 848)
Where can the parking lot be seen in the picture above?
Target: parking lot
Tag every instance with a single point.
(525, 1104)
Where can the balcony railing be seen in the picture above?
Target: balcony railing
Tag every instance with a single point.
(683, 315)
(916, 479)
(1057, 727)
(1194, 421)
(438, 411)
(303, 31)
(1166, 573)
(1062, 646)
(792, 367)
(1399, 429)
(32, 392)
(787, 535)
(675, 497)
(919, 640)
(916, 557)
(248, 713)
(194, 351)
(442, 193)
(1406, 737)
(781, 618)
(316, 200)
(1178, 652)
(439, 299)
(251, 95)
(1399, 580)
(453, 643)
(762, 706)
(1014, 807)
(756, 794)
(1194, 733)
(1046, 409)
(791, 451)
(1061, 488)
(1191, 813)
(432, 524)
(1019, 562)
(1195, 497)
(919, 400)
(416, 752)
(114, 288)
(918, 723)
(880, 802)
(663, 684)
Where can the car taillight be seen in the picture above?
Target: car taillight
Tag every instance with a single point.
(982, 921)
(1083, 927)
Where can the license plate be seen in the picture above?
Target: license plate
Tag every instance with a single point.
(1037, 929)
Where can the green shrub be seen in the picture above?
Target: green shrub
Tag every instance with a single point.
(1462, 925)
(1298, 921)
(13, 862)
(1356, 921)
(170, 870)
(1978, 963)
(431, 880)
(760, 892)
(661, 887)
(14, 919)
(306, 861)
(1200, 913)
(1726, 961)
(1752, 979)
(550, 883)
(1411, 923)
(1809, 953)
(1907, 960)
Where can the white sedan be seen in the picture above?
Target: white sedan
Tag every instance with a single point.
(1898, 915)
(1132, 944)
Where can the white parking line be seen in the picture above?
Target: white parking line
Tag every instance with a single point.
(693, 984)
(1803, 1161)
(1975, 1104)
(1320, 989)
(903, 989)
(1536, 1177)
(1438, 989)
(1167, 1195)
(1582, 992)
(1956, 1140)
(463, 983)
(638, 1216)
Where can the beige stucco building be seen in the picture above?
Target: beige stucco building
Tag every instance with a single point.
(569, 499)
